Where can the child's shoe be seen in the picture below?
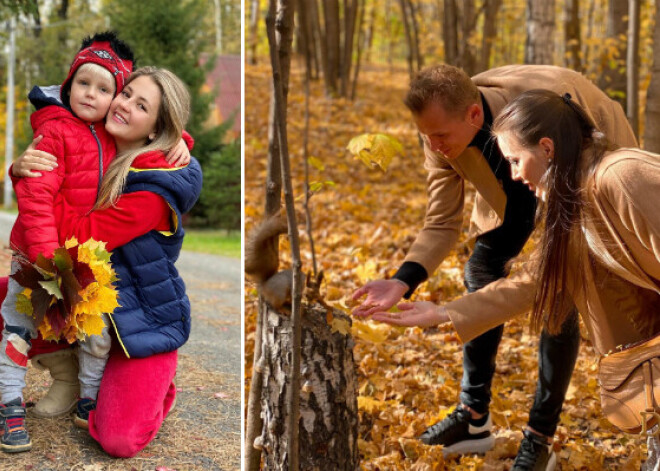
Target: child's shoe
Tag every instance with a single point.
(83, 408)
(14, 435)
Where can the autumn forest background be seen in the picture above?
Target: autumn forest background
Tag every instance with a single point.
(356, 58)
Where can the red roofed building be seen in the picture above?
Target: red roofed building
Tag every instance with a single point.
(225, 79)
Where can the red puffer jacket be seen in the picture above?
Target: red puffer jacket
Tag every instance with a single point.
(83, 153)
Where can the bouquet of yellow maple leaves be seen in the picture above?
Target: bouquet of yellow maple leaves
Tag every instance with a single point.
(68, 294)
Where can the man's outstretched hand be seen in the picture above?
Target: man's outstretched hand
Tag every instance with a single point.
(381, 295)
(420, 314)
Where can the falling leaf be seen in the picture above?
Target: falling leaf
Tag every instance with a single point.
(375, 149)
(316, 163)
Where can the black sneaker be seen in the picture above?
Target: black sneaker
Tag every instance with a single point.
(458, 435)
(534, 454)
(83, 408)
(14, 435)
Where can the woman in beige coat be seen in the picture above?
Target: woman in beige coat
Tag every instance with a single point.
(599, 247)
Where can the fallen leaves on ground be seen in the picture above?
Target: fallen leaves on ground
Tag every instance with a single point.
(363, 225)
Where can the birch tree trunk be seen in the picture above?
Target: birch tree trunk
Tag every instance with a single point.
(284, 36)
(539, 47)
(572, 38)
(652, 118)
(328, 404)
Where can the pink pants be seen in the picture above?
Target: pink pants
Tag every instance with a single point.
(135, 396)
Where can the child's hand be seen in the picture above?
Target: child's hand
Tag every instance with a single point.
(179, 155)
(31, 161)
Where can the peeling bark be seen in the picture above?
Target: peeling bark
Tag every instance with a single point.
(328, 402)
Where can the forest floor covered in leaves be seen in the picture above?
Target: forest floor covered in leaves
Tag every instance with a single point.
(363, 223)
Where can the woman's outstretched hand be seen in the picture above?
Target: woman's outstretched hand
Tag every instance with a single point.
(32, 161)
(420, 313)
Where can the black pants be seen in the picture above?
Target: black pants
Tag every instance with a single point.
(557, 354)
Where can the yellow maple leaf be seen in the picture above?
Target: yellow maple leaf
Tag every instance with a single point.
(375, 149)
(343, 326)
(24, 302)
(93, 325)
(72, 242)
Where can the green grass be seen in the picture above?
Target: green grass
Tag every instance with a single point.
(217, 242)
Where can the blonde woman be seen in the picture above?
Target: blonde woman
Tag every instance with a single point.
(138, 215)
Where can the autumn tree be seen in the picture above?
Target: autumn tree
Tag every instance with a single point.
(164, 34)
(301, 363)
(491, 9)
(572, 39)
(539, 47)
(411, 28)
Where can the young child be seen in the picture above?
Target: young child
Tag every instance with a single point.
(73, 132)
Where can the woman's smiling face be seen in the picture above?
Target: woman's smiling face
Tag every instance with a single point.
(133, 114)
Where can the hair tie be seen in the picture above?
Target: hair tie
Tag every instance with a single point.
(567, 98)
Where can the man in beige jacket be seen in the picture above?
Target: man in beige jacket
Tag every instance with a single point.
(453, 114)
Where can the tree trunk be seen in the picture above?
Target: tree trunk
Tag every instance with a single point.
(450, 32)
(652, 118)
(305, 35)
(586, 48)
(572, 35)
(370, 33)
(278, 49)
(360, 41)
(328, 405)
(350, 20)
(284, 24)
(468, 59)
(491, 7)
(540, 29)
(254, 24)
(632, 66)
(613, 76)
(414, 24)
(331, 70)
(409, 40)
(320, 52)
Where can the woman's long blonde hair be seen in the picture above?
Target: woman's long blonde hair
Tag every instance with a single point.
(172, 117)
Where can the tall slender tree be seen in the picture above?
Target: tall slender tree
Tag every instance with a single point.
(572, 40)
(539, 46)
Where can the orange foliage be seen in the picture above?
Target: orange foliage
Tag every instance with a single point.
(408, 378)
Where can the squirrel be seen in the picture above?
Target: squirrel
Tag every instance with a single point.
(262, 261)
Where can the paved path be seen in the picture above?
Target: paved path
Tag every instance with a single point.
(213, 351)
